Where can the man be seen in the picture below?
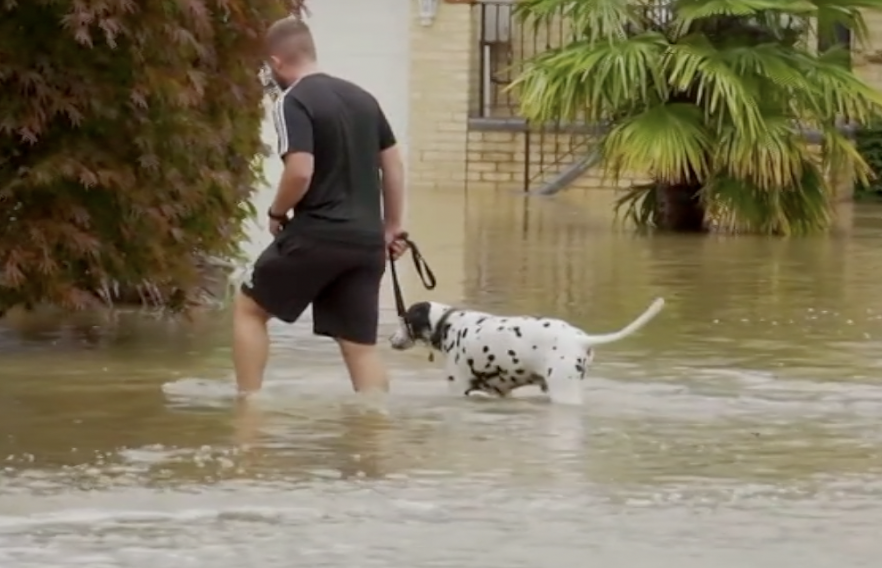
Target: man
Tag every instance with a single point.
(334, 141)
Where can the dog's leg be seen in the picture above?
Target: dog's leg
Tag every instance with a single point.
(564, 388)
(458, 379)
(563, 377)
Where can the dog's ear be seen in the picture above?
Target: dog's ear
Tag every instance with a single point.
(419, 319)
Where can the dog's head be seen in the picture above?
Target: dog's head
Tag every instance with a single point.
(419, 325)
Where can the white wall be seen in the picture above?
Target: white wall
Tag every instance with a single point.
(366, 42)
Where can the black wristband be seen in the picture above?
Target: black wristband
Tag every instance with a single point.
(276, 217)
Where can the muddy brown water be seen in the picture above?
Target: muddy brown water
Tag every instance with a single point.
(741, 428)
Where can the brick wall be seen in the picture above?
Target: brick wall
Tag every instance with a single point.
(867, 59)
(867, 64)
(498, 159)
(440, 65)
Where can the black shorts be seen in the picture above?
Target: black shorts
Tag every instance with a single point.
(341, 281)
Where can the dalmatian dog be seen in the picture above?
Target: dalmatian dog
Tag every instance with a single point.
(495, 354)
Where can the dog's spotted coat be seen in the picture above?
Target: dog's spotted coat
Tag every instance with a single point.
(492, 371)
(495, 355)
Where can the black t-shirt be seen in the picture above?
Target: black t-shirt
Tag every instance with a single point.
(344, 128)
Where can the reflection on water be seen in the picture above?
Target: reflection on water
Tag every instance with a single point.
(740, 428)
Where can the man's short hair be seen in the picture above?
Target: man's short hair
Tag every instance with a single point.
(290, 38)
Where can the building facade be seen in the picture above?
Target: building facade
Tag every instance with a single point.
(440, 70)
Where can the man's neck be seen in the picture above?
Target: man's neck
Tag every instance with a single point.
(306, 71)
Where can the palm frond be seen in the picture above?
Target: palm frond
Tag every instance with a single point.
(593, 80)
(768, 61)
(638, 205)
(841, 156)
(594, 19)
(737, 206)
(770, 158)
(690, 12)
(832, 13)
(695, 64)
(835, 91)
(669, 141)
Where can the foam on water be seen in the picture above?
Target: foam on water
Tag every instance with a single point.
(375, 526)
(710, 394)
(210, 392)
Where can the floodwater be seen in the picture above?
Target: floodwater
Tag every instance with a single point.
(740, 428)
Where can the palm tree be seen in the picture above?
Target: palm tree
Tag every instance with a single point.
(711, 98)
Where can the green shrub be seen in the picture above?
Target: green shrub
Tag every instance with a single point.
(128, 132)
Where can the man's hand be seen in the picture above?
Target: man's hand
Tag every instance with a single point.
(276, 222)
(395, 244)
(275, 227)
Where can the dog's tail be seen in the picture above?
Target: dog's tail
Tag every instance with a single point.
(634, 326)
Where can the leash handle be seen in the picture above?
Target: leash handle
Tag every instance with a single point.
(423, 270)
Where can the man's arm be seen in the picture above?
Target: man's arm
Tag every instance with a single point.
(294, 128)
(392, 167)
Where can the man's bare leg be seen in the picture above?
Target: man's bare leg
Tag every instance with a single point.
(250, 343)
(366, 368)
(248, 421)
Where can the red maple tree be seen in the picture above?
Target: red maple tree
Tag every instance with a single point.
(128, 137)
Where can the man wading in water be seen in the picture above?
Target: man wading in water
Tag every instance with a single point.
(334, 141)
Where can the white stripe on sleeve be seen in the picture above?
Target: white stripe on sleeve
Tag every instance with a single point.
(281, 127)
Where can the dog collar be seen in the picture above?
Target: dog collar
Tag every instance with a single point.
(438, 335)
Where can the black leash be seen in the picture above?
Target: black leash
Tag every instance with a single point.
(427, 277)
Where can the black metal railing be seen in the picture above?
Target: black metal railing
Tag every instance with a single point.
(551, 150)
(503, 45)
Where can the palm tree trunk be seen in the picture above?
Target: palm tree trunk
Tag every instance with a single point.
(679, 209)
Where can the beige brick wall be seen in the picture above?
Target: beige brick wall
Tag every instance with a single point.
(496, 160)
(867, 59)
(440, 67)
